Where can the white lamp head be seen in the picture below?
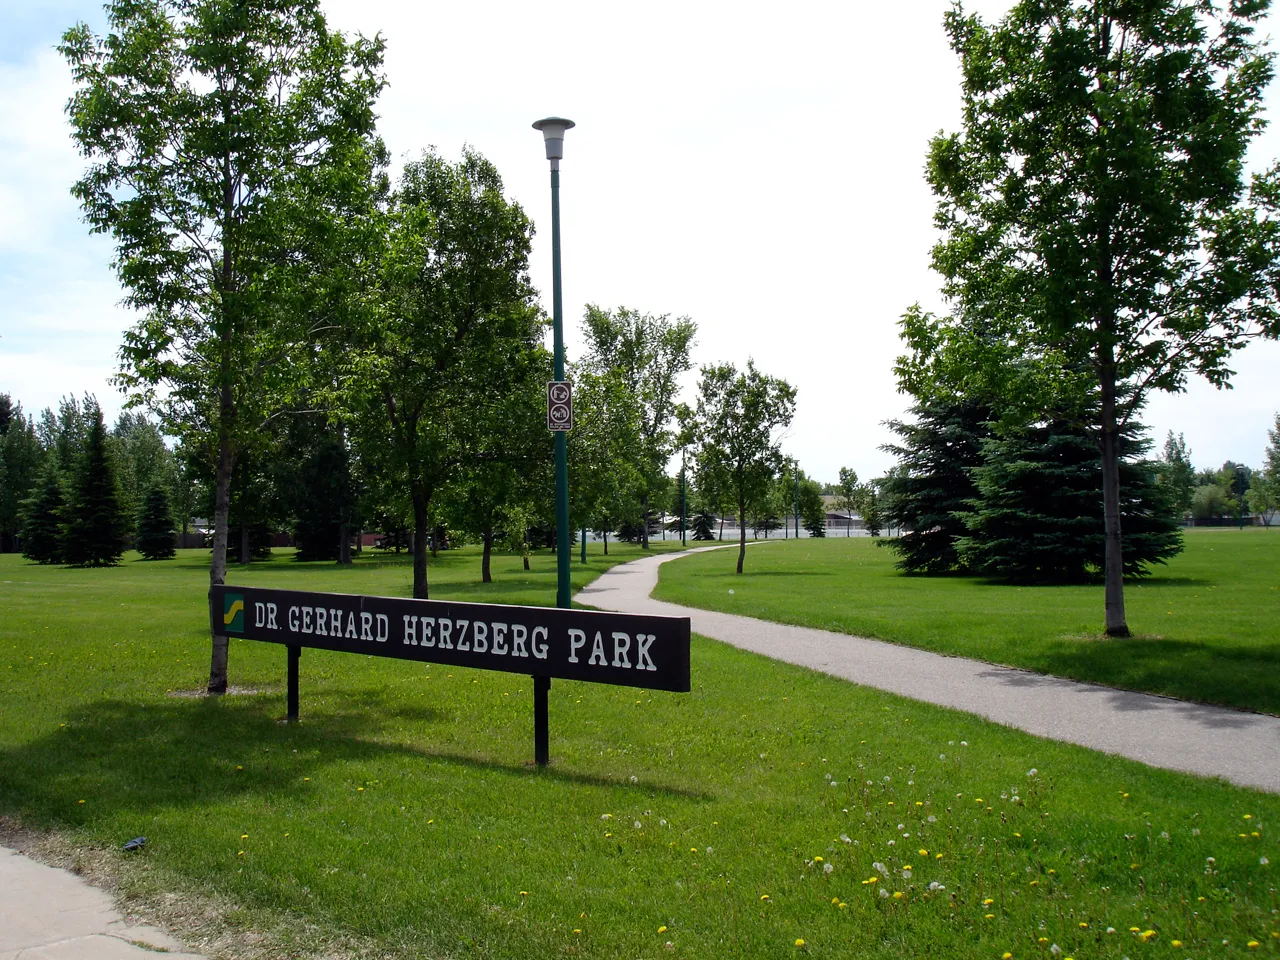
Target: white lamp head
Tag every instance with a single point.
(553, 129)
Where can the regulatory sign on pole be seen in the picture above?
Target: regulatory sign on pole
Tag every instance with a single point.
(559, 406)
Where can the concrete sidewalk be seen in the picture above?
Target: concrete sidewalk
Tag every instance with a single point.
(51, 914)
(1243, 748)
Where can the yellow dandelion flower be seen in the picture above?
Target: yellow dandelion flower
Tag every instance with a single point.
(835, 900)
(1051, 870)
(577, 930)
(1133, 866)
(937, 856)
(989, 916)
(924, 853)
(524, 893)
(1252, 944)
(987, 902)
(1043, 940)
(1006, 956)
(608, 835)
(1175, 943)
(1018, 835)
(919, 803)
(800, 943)
(842, 905)
(79, 801)
(306, 779)
(979, 800)
(871, 880)
(238, 767)
(240, 853)
(898, 894)
(429, 822)
(244, 836)
(662, 929)
(764, 896)
(359, 789)
(817, 859)
(1248, 816)
(1083, 925)
(1135, 929)
(1146, 936)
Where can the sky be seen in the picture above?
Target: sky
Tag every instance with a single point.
(758, 168)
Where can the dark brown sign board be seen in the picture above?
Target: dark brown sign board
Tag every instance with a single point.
(559, 406)
(631, 650)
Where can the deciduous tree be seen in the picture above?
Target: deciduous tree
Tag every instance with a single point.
(741, 416)
(649, 354)
(230, 147)
(1094, 204)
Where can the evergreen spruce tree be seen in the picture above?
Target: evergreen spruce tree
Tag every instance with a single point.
(815, 523)
(1037, 516)
(155, 527)
(42, 517)
(95, 524)
(703, 525)
(931, 485)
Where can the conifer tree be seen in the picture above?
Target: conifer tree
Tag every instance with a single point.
(1037, 516)
(155, 527)
(42, 517)
(95, 525)
(703, 525)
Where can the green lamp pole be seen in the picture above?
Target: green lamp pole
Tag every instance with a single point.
(553, 129)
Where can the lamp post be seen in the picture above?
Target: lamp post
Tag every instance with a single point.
(553, 130)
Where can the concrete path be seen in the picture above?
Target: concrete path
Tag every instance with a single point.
(1243, 748)
(50, 914)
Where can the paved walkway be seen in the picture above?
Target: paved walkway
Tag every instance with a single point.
(1243, 748)
(50, 914)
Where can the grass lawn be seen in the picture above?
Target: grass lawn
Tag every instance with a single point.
(770, 805)
(1207, 625)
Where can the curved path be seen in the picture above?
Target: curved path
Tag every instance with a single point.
(1243, 748)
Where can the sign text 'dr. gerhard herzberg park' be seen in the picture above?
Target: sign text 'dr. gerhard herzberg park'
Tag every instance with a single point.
(627, 649)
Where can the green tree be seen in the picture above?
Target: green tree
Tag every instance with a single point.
(870, 505)
(230, 147)
(155, 526)
(454, 302)
(95, 524)
(813, 510)
(847, 495)
(740, 419)
(932, 485)
(649, 354)
(42, 517)
(608, 474)
(1037, 516)
(1094, 205)
(1177, 475)
(143, 459)
(20, 462)
(1264, 492)
(1209, 501)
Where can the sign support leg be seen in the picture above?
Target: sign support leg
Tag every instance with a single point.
(541, 751)
(294, 654)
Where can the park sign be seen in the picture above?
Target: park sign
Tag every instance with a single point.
(620, 648)
(631, 650)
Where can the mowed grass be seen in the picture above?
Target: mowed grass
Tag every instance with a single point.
(1207, 624)
(768, 806)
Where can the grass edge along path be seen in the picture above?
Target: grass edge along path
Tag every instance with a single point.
(770, 805)
(1207, 624)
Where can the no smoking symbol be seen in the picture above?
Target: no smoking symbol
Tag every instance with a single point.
(559, 406)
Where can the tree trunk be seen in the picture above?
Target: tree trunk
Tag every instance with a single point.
(742, 534)
(644, 522)
(420, 535)
(246, 555)
(344, 545)
(1113, 567)
(486, 573)
(720, 535)
(218, 565)
(606, 543)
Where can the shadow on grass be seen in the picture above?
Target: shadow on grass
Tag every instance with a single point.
(139, 758)
(1195, 672)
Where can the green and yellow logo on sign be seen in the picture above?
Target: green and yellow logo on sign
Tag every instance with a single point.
(233, 612)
